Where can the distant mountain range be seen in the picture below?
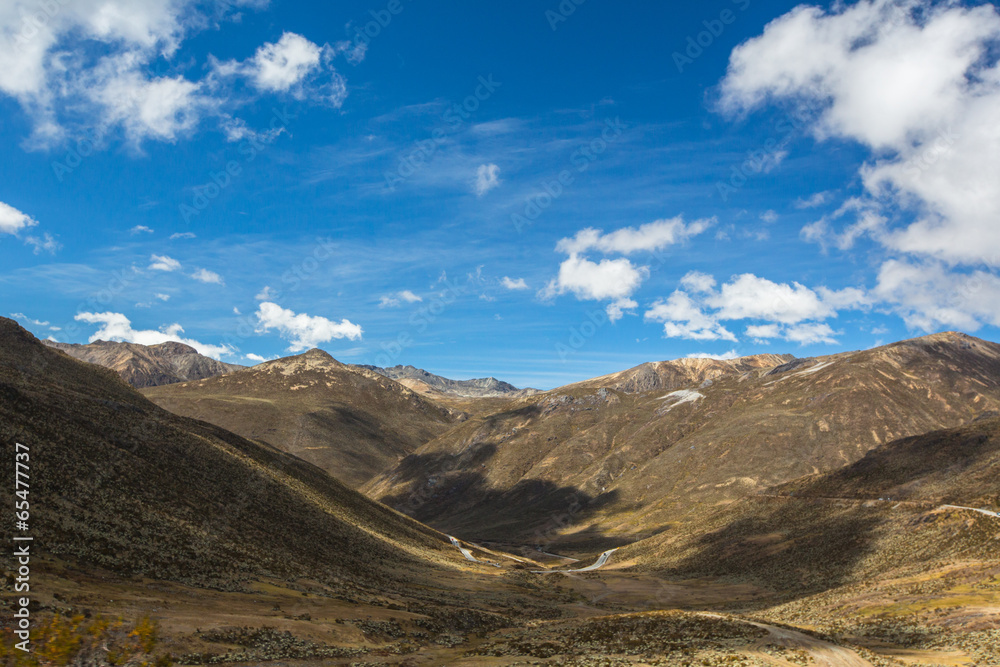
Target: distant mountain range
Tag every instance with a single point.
(636, 452)
(148, 365)
(351, 422)
(426, 383)
(852, 494)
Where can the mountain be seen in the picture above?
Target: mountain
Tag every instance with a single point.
(349, 421)
(606, 462)
(895, 535)
(122, 485)
(432, 385)
(148, 365)
(669, 375)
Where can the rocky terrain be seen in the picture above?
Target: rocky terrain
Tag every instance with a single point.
(432, 385)
(148, 365)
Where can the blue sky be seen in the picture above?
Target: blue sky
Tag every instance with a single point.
(538, 191)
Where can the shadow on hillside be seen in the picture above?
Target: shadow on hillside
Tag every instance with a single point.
(444, 492)
(794, 547)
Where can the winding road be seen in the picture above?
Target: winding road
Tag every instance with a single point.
(995, 515)
(598, 564)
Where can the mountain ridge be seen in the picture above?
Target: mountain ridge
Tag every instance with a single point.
(350, 421)
(148, 365)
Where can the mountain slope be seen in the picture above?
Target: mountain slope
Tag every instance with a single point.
(148, 365)
(120, 484)
(590, 461)
(426, 383)
(351, 422)
(887, 512)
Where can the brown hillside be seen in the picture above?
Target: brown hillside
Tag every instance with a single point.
(351, 422)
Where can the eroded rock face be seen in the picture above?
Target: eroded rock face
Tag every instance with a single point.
(148, 365)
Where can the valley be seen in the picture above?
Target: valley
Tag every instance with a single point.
(697, 512)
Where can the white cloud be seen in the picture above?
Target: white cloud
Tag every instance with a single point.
(45, 243)
(250, 356)
(614, 280)
(388, 302)
(487, 178)
(206, 276)
(84, 68)
(805, 333)
(769, 216)
(649, 237)
(25, 318)
(162, 297)
(617, 309)
(266, 294)
(396, 299)
(814, 200)
(683, 318)
(282, 65)
(791, 312)
(698, 282)
(291, 65)
(409, 297)
(163, 263)
(725, 356)
(301, 330)
(13, 221)
(587, 280)
(918, 83)
(514, 284)
(927, 295)
(140, 229)
(751, 297)
(182, 235)
(117, 327)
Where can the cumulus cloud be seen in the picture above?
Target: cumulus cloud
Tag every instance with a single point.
(683, 318)
(301, 330)
(514, 284)
(916, 82)
(206, 276)
(250, 356)
(292, 65)
(751, 297)
(927, 295)
(791, 312)
(86, 68)
(13, 221)
(698, 282)
(163, 263)
(140, 229)
(117, 327)
(487, 178)
(614, 280)
(596, 281)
